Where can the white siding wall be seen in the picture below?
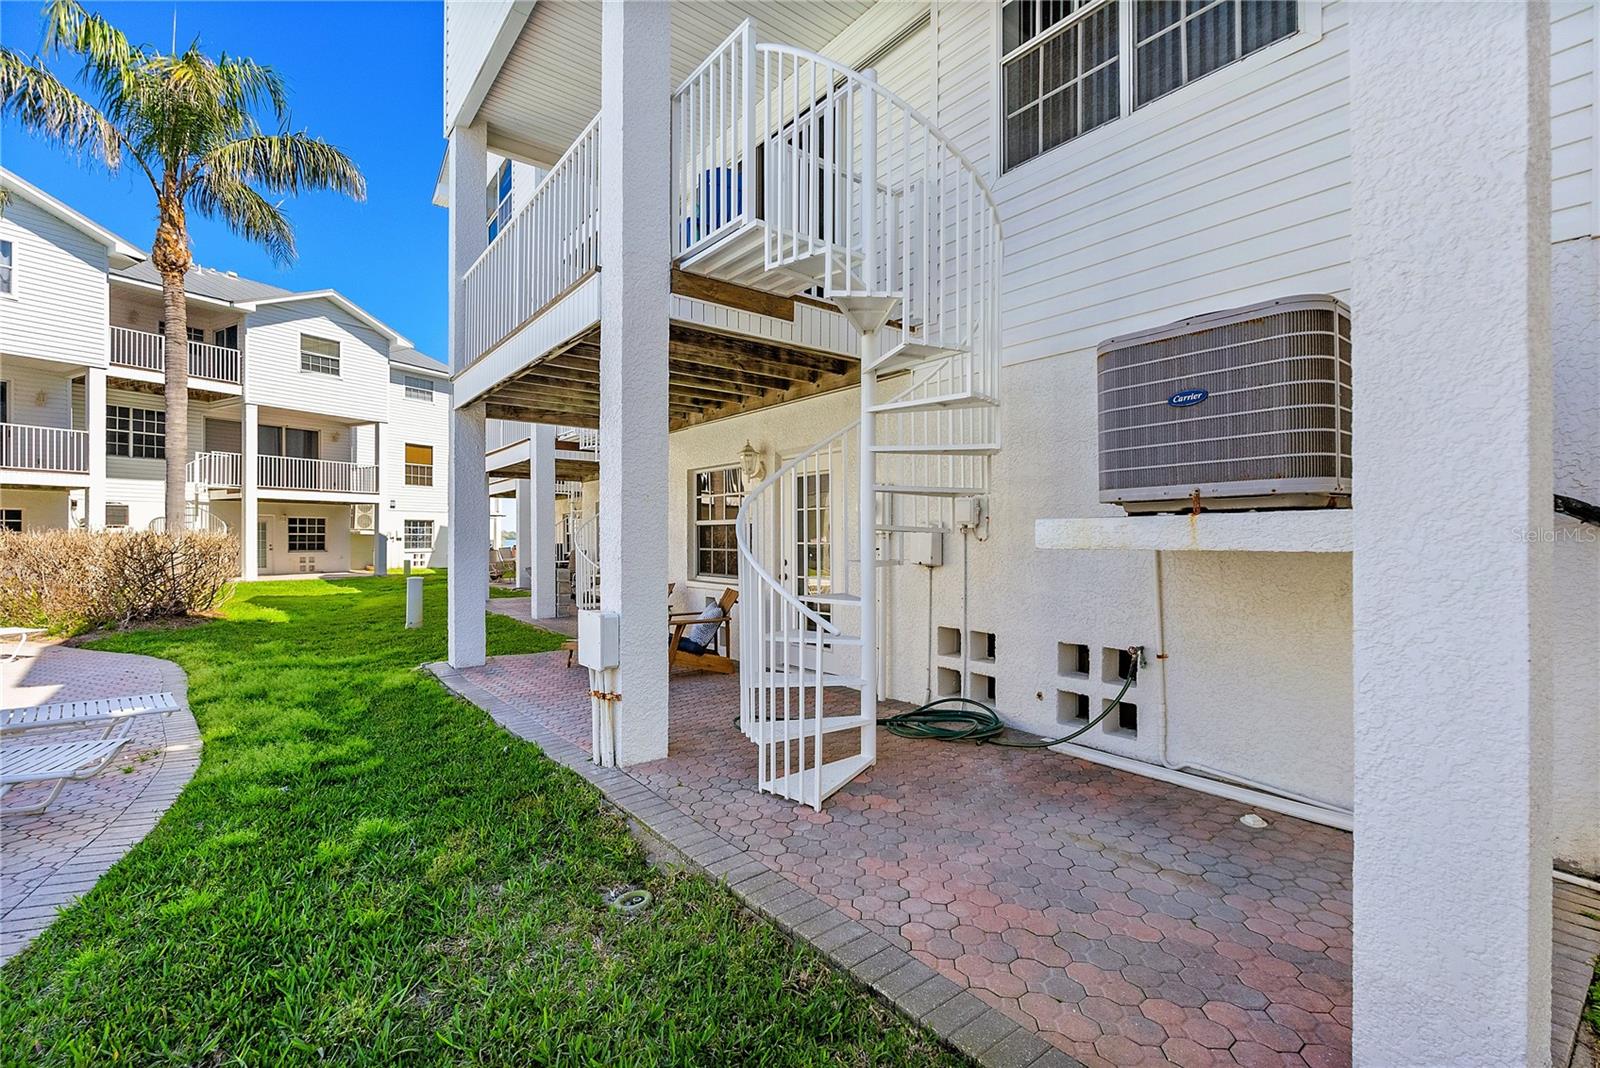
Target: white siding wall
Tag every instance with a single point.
(415, 422)
(39, 392)
(57, 309)
(1574, 136)
(272, 362)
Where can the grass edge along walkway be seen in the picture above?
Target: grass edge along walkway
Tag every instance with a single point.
(366, 869)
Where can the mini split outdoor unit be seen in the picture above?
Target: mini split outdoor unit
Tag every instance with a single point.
(1240, 409)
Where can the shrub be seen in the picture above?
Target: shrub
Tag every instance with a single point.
(71, 580)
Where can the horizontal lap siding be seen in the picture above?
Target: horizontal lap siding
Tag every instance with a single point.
(415, 422)
(1231, 190)
(1573, 120)
(272, 362)
(59, 304)
(39, 394)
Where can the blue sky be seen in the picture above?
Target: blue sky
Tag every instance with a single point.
(365, 76)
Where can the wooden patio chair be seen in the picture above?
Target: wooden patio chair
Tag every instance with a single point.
(712, 659)
(571, 647)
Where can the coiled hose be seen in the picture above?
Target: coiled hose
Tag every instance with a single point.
(962, 719)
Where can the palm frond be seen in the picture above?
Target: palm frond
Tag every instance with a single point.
(107, 55)
(245, 212)
(287, 163)
(40, 103)
(246, 85)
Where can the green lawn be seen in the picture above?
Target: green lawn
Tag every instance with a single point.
(366, 870)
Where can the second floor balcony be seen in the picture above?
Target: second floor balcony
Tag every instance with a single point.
(44, 449)
(147, 351)
(222, 471)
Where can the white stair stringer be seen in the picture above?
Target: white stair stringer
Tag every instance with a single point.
(796, 173)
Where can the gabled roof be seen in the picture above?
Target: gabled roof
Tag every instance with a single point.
(117, 246)
(333, 296)
(413, 358)
(208, 282)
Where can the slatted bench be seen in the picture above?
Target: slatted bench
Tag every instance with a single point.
(24, 764)
(112, 711)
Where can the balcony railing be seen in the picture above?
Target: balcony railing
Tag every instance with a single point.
(220, 470)
(44, 448)
(147, 351)
(552, 243)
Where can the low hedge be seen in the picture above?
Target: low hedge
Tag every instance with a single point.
(74, 580)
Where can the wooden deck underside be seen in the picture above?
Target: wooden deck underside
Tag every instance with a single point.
(711, 375)
(568, 469)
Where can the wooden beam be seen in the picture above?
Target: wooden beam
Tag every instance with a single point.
(732, 295)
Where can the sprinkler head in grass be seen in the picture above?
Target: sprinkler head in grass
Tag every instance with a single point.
(631, 902)
(1251, 820)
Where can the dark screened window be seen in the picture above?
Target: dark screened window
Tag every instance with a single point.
(140, 433)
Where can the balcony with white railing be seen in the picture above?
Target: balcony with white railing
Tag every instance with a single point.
(552, 244)
(145, 351)
(221, 471)
(44, 449)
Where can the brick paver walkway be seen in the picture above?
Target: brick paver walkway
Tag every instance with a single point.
(49, 860)
(1125, 920)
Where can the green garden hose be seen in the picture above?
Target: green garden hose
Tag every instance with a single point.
(962, 719)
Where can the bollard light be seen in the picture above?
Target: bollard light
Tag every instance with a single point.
(413, 602)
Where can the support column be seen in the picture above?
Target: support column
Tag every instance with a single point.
(522, 509)
(94, 421)
(467, 534)
(635, 120)
(1452, 439)
(541, 520)
(250, 491)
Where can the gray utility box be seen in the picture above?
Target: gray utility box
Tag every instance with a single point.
(1248, 408)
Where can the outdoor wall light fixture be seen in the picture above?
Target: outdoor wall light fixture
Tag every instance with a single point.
(752, 463)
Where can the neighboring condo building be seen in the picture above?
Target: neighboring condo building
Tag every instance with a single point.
(313, 426)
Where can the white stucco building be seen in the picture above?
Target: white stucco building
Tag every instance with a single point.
(695, 267)
(313, 427)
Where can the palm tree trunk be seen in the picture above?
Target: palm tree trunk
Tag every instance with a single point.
(170, 256)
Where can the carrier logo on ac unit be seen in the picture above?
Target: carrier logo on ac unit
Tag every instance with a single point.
(1188, 398)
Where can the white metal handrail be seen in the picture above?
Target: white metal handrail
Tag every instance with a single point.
(797, 535)
(44, 448)
(199, 518)
(147, 351)
(219, 469)
(586, 556)
(550, 244)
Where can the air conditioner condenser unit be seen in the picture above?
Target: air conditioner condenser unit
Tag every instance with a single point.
(1239, 409)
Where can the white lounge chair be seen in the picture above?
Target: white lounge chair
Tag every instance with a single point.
(18, 636)
(24, 764)
(111, 711)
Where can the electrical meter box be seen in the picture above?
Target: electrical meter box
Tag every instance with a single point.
(599, 639)
(925, 547)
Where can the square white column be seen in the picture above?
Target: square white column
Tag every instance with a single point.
(467, 534)
(1450, 197)
(541, 520)
(635, 251)
(523, 508)
(94, 421)
(250, 491)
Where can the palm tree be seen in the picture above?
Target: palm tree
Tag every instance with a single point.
(192, 125)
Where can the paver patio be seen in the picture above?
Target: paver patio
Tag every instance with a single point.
(49, 860)
(1125, 920)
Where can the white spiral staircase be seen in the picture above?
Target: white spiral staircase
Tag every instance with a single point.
(858, 197)
(586, 564)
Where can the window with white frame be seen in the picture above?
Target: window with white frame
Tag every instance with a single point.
(1069, 66)
(116, 514)
(8, 265)
(306, 534)
(419, 465)
(717, 494)
(418, 388)
(11, 519)
(497, 197)
(139, 433)
(319, 355)
(419, 535)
